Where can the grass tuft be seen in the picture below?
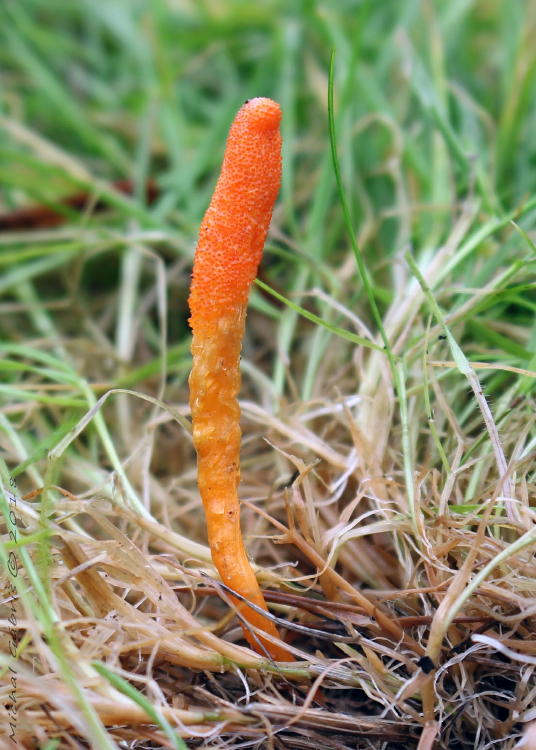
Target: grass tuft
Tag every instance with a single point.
(389, 373)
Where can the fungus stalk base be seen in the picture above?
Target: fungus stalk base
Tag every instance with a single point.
(214, 386)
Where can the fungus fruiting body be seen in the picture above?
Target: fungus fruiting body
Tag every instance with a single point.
(231, 240)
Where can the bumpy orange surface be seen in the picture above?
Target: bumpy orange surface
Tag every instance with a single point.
(230, 246)
(233, 232)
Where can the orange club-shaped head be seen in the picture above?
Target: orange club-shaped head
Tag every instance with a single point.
(233, 231)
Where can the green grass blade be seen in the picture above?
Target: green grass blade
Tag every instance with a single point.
(315, 319)
(152, 712)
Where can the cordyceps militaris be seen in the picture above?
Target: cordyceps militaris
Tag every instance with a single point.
(231, 241)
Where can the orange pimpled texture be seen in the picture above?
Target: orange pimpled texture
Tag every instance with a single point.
(233, 232)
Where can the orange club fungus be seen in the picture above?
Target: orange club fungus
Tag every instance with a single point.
(231, 240)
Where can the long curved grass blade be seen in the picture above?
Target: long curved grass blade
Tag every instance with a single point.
(152, 712)
(315, 319)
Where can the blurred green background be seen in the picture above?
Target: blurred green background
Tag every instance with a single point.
(149, 88)
(435, 105)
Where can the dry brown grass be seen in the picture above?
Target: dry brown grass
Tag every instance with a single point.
(356, 579)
